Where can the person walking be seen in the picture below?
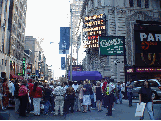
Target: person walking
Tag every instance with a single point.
(17, 98)
(104, 88)
(5, 97)
(86, 96)
(93, 97)
(80, 97)
(99, 97)
(70, 97)
(1, 92)
(129, 86)
(23, 96)
(110, 97)
(59, 93)
(47, 98)
(145, 95)
(37, 95)
(30, 86)
(118, 93)
(75, 86)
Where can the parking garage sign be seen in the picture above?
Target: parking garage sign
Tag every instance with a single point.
(111, 45)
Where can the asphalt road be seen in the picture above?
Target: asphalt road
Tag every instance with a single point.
(121, 112)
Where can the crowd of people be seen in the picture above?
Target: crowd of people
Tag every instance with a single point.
(31, 96)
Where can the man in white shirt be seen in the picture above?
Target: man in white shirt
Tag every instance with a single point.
(75, 86)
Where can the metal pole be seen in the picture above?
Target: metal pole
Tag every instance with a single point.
(77, 53)
(71, 44)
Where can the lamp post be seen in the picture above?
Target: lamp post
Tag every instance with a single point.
(71, 43)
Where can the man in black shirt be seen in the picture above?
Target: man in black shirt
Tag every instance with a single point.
(145, 95)
(47, 94)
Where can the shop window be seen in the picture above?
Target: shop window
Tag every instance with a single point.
(146, 3)
(160, 4)
(131, 3)
(138, 3)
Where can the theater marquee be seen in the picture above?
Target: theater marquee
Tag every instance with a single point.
(94, 26)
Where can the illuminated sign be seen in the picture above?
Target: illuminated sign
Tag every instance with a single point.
(148, 69)
(130, 70)
(23, 66)
(147, 45)
(94, 26)
(111, 45)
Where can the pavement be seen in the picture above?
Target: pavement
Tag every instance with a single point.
(121, 112)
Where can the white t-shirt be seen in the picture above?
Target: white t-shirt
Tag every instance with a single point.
(111, 87)
(75, 87)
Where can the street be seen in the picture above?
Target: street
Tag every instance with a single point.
(121, 112)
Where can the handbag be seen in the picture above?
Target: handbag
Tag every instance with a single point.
(140, 109)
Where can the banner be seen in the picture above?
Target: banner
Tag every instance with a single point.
(62, 63)
(147, 45)
(64, 40)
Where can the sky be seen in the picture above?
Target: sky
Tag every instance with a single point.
(43, 20)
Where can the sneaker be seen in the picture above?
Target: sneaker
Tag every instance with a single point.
(113, 108)
(31, 111)
(52, 112)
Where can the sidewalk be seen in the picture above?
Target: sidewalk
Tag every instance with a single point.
(121, 112)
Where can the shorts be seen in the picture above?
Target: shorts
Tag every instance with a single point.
(86, 100)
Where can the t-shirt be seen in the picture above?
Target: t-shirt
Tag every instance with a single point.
(146, 94)
(130, 89)
(88, 89)
(111, 87)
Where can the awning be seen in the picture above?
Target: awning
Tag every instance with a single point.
(12, 76)
(83, 75)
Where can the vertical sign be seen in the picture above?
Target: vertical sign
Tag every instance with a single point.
(23, 66)
(62, 63)
(64, 40)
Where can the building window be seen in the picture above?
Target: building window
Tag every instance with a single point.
(131, 3)
(146, 3)
(138, 3)
(5, 62)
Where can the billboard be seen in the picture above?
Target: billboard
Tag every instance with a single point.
(111, 45)
(62, 63)
(64, 40)
(147, 45)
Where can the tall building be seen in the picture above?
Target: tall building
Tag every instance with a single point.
(120, 17)
(75, 11)
(16, 28)
(37, 58)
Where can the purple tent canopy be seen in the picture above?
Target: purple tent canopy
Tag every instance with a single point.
(83, 75)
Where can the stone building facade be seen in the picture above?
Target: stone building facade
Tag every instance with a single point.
(121, 15)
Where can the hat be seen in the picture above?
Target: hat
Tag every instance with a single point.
(75, 81)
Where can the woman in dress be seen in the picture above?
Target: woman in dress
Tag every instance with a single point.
(5, 99)
(99, 97)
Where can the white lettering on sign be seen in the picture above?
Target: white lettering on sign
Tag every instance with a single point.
(150, 37)
(110, 42)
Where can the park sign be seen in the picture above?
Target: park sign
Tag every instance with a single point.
(111, 45)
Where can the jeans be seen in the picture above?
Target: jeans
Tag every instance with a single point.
(120, 98)
(31, 104)
(110, 100)
(17, 104)
(150, 111)
(130, 94)
(52, 104)
(47, 106)
(36, 102)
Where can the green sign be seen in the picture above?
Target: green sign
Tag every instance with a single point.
(23, 66)
(111, 45)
